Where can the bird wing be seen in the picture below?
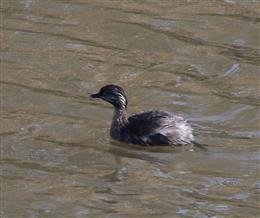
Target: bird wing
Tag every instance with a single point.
(145, 123)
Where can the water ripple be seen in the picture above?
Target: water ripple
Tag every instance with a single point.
(246, 54)
(235, 16)
(64, 36)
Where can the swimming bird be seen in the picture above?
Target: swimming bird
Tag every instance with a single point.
(155, 127)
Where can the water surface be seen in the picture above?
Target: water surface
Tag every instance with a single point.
(199, 59)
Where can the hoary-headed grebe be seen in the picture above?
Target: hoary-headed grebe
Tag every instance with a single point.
(144, 128)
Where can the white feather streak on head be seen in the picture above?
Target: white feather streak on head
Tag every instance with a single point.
(122, 99)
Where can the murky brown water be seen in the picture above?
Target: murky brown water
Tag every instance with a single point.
(197, 58)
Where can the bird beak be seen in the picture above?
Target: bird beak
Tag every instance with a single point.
(97, 95)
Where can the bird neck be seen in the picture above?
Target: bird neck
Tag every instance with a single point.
(120, 117)
(119, 121)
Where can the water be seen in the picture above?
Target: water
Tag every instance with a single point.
(197, 58)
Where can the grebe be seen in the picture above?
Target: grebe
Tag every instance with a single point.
(144, 128)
